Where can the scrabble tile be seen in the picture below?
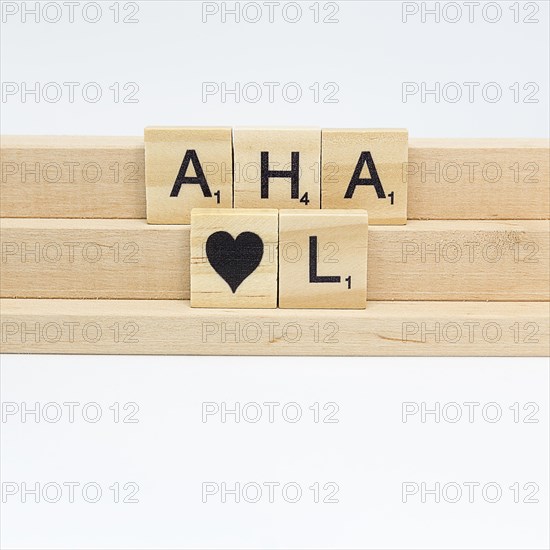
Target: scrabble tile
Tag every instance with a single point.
(277, 168)
(234, 258)
(187, 168)
(323, 259)
(364, 169)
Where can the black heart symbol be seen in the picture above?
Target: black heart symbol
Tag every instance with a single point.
(234, 259)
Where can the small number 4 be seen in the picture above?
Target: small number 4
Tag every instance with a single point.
(305, 199)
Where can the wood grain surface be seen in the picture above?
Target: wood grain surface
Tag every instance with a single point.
(104, 177)
(173, 327)
(423, 260)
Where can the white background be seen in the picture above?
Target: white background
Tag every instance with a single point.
(367, 55)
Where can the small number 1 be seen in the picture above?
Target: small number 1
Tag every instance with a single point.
(217, 194)
(348, 279)
(391, 196)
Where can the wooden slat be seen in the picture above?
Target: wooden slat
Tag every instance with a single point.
(72, 177)
(448, 178)
(172, 327)
(57, 258)
(424, 260)
(489, 179)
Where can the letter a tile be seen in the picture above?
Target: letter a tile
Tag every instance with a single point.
(365, 169)
(187, 168)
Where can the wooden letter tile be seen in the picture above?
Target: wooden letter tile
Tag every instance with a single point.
(277, 168)
(187, 168)
(234, 258)
(323, 259)
(364, 169)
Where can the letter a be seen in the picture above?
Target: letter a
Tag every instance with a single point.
(374, 180)
(191, 156)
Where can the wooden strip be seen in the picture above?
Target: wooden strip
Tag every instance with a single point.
(72, 177)
(492, 179)
(172, 327)
(54, 258)
(460, 260)
(424, 260)
(56, 177)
